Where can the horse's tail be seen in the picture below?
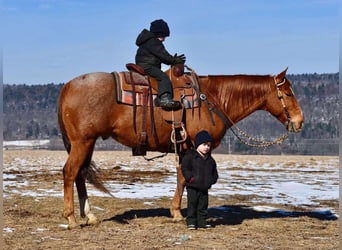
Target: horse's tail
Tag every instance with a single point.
(65, 137)
(90, 172)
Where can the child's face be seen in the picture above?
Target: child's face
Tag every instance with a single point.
(204, 148)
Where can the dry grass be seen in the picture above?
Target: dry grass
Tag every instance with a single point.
(36, 222)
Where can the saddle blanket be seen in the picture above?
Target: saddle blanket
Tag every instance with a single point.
(126, 96)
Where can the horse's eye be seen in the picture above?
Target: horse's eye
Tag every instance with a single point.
(289, 94)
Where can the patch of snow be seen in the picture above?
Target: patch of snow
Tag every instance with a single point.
(98, 208)
(26, 143)
(298, 183)
(8, 230)
(264, 209)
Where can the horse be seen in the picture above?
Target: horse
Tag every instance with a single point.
(88, 109)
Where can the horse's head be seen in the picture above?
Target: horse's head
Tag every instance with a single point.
(283, 104)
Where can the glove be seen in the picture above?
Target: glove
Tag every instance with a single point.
(179, 59)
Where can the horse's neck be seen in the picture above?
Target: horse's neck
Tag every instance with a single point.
(236, 96)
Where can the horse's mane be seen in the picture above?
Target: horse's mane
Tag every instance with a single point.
(231, 90)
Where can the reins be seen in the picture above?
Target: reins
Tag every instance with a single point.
(230, 124)
(257, 143)
(262, 143)
(241, 135)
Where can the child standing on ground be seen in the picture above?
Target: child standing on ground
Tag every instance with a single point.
(200, 172)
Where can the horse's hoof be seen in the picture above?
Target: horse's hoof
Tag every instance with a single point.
(72, 226)
(92, 220)
(72, 222)
(176, 214)
(177, 219)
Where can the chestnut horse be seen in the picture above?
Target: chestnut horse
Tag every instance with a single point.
(88, 109)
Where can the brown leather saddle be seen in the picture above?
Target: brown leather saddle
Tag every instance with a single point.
(138, 83)
(136, 80)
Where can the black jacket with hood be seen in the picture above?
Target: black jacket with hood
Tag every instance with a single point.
(199, 173)
(151, 51)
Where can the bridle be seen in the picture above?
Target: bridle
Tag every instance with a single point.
(281, 97)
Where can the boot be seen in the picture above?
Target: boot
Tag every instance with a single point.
(167, 103)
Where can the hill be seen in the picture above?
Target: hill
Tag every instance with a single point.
(30, 112)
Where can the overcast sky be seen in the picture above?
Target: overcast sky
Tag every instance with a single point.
(53, 41)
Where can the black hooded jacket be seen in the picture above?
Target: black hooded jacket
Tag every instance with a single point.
(151, 51)
(199, 173)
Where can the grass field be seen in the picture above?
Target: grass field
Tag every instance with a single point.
(260, 202)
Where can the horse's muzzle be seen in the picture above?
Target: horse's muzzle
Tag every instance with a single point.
(295, 127)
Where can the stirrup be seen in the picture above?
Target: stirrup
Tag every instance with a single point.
(182, 133)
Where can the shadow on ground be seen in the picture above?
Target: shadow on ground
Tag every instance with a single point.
(232, 215)
(226, 214)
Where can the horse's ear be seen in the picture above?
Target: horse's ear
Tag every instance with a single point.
(281, 75)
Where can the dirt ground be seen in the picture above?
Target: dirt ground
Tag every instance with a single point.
(37, 223)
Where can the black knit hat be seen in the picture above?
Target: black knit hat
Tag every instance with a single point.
(160, 28)
(202, 137)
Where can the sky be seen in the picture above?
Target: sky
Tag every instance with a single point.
(54, 41)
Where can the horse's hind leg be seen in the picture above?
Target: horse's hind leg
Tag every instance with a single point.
(78, 156)
(177, 198)
(83, 196)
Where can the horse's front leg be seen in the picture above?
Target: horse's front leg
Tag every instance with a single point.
(177, 198)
